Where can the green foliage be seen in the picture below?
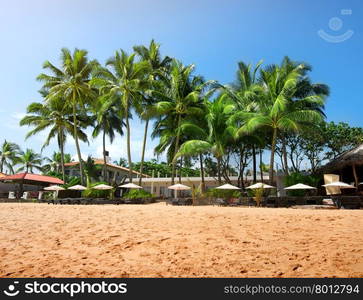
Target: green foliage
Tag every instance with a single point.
(296, 177)
(340, 137)
(258, 196)
(92, 193)
(217, 193)
(69, 180)
(137, 193)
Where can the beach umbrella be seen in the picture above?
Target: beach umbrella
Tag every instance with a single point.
(228, 187)
(54, 188)
(77, 188)
(260, 185)
(103, 187)
(179, 187)
(339, 184)
(300, 186)
(130, 186)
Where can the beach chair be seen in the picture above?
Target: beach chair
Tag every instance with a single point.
(25, 196)
(220, 202)
(11, 195)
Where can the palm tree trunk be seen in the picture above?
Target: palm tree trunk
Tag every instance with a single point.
(261, 163)
(180, 169)
(76, 139)
(202, 172)
(175, 151)
(143, 150)
(61, 148)
(104, 156)
(128, 137)
(219, 171)
(254, 164)
(1, 165)
(273, 146)
(284, 156)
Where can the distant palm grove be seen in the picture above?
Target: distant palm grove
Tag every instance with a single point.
(203, 127)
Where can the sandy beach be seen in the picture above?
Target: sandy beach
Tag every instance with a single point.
(40, 240)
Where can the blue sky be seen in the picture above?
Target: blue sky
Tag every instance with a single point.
(212, 34)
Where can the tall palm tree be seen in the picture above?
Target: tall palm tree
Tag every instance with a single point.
(304, 88)
(179, 99)
(158, 70)
(123, 82)
(29, 160)
(9, 153)
(244, 92)
(216, 135)
(109, 121)
(276, 110)
(55, 117)
(71, 82)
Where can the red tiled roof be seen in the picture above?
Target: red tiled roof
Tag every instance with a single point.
(100, 162)
(2, 174)
(33, 177)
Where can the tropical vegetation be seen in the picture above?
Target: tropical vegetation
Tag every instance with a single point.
(201, 127)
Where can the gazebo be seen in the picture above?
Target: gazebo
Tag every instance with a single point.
(31, 179)
(349, 166)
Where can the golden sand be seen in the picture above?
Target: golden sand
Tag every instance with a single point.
(40, 240)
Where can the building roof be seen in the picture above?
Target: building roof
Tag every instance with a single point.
(98, 161)
(32, 178)
(348, 158)
(2, 174)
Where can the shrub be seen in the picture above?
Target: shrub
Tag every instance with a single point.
(296, 177)
(227, 194)
(136, 194)
(258, 196)
(92, 193)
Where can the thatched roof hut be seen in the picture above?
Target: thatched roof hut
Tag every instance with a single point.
(349, 165)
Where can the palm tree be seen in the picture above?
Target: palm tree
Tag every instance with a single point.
(8, 155)
(29, 160)
(216, 136)
(124, 83)
(56, 162)
(179, 99)
(304, 88)
(158, 70)
(90, 170)
(277, 111)
(244, 92)
(108, 122)
(56, 117)
(71, 83)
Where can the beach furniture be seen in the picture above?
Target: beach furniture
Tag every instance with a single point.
(12, 195)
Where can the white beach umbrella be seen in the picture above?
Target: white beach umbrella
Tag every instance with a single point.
(179, 187)
(78, 187)
(228, 187)
(54, 188)
(130, 186)
(339, 184)
(260, 185)
(102, 187)
(300, 186)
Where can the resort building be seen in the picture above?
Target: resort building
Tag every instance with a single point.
(25, 182)
(348, 166)
(159, 185)
(116, 173)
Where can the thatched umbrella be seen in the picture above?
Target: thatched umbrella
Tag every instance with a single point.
(351, 158)
(300, 186)
(260, 185)
(130, 186)
(228, 187)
